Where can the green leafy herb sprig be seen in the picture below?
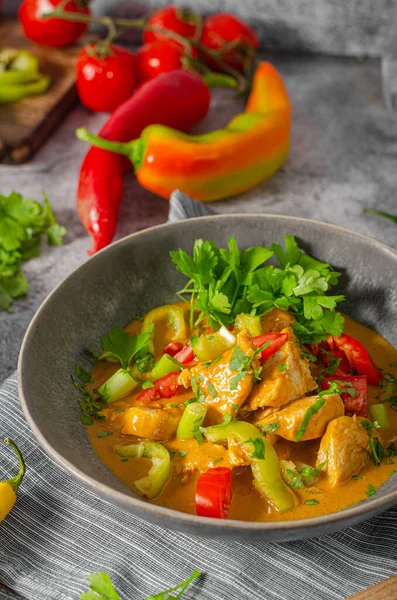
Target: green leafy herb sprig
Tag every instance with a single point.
(226, 282)
(22, 223)
(101, 588)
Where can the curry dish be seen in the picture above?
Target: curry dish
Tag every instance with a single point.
(252, 398)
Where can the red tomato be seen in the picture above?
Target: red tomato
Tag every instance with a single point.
(276, 340)
(357, 405)
(186, 355)
(50, 32)
(158, 57)
(103, 83)
(226, 28)
(165, 387)
(173, 348)
(358, 357)
(214, 493)
(170, 17)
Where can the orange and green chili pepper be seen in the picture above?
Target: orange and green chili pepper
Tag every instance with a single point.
(9, 488)
(218, 164)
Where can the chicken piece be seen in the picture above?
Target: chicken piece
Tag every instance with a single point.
(203, 458)
(222, 393)
(344, 445)
(152, 423)
(276, 320)
(290, 418)
(285, 377)
(236, 455)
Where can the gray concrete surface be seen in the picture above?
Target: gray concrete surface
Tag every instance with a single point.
(343, 159)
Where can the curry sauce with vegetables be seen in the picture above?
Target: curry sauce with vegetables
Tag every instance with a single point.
(252, 398)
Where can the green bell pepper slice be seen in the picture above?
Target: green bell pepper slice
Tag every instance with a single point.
(117, 386)
(175, 318)
(192, 418)
(263, 459)
(152, 484)
(17, 66)
(253, 324)
(16, 92)
(166, 364)
(209, 347)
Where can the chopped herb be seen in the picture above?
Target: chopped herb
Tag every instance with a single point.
(93, 353)
(381, 214)
(123, 346)
(190, 401)
(333, 366)
(213, 362)
(123, 459)
(147, 384)
(171, 453)
(182, 453)
(305, 354)
(211, 390)
(217, 459)
(199, 395)
(235, 407)
(374, 446)
(392, 450)
(294, 479)
(223, 283)
(144, 361)
(200, 378)
(137, 317)
(310, 412)
(371, 491)
(312, 502)
(177, 405)
(103, 434)
(88, 406)
(259, 447)
(235, 379)
(393, 364)
(389, 377)
(282, 367)
(393, 473)
(226, 420)
(271, 428)
(313, 471)
(83, 375)
(356, 477)
(239, 361)
(119, 411)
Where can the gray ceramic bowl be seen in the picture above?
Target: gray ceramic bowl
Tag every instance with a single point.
(135, 275)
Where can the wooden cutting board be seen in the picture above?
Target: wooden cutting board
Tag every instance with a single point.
(25, 125)
(385, 590)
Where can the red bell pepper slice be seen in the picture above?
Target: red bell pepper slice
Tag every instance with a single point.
(165, 387)
(173, 348)
(185, 355)
(214, 493)
(357, 405)
(276, 340)
(358, 357)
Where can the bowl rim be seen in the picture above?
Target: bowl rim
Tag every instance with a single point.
(356, 512)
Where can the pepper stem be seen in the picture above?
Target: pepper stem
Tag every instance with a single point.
(16, 481)
(131, 149)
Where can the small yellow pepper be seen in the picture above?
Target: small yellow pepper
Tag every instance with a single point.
(9, 488)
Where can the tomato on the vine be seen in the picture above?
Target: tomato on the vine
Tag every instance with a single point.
(225, 28)
(175, 19)
(51, 32)
(158, 57)
(105, 78)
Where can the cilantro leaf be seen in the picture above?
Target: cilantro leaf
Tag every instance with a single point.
(123, 346)
(312, 410)
(374, 447)
(259, 447)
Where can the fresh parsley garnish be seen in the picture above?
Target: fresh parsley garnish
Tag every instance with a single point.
(371, 491)
(313, 471)
(393, 364)
(83, 375)
(312, 410)
(22, 224)
(271, 428)
(294, 479)
(211, 390)
(392, 450)
(123, 346)
(223, 283)
(235, 379)
(312, 502)
(282, 367)
(259, 447)
(182, 453)
(103, 434)
(356, 477)
(389, 378)
(88, 406)
(147, 384)
(374, 447)
(217, 459)
(381, 214)
(144, 361)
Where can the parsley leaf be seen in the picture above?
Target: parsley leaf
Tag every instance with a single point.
(312, 502)
(374, 447)
(211, 390)
(312, 410)
(371, 491)
(235, 379)
(123, 346)
(259, 447)
(294, 479)
(271, 428)
(101, 588)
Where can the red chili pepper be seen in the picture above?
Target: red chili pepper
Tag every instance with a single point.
(214, 493)
(177, 99)
(358, 357)
(357, 405)
(186, 355)
(173, 348)
(165, 387)
(276, 340)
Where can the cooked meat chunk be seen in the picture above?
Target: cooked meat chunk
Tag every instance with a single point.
(276, 320)
(285, 377)
(224, 391)
(344, 444)
(290, 418)
(152, 423)
(202, 458)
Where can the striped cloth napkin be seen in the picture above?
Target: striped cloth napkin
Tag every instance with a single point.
(59, 532)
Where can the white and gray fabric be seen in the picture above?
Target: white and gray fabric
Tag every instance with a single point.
(59, 532)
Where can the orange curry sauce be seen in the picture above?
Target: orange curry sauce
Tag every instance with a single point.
(247, 504)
